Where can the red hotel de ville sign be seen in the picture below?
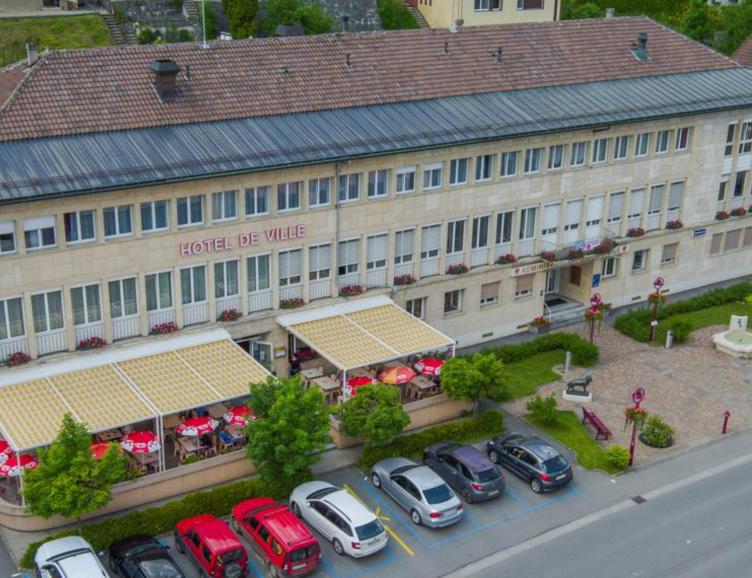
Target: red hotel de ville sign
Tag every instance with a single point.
(219, 244)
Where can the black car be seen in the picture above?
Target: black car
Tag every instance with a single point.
(143, 557)
(532, 459)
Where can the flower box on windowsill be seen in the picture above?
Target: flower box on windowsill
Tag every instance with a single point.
(635, 232)
(507, 259)
(404, 280)
(738, 212)
(604, 247)
(164, 328)
(230, 315)
(291, 303)
(674, 225)
(549, 256)
(17, 358)
(458, 269)
(94, 342)
(351, 290)
(539, 325)
(721, 216)
(573, 254)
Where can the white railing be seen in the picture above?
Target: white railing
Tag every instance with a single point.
(51, 342)
(525, 247)
(479, 256)
(89, 330)
(195, 313)
(349, 279)
(616, 228)
(124, 327)
(291, 292)
(634, 222)
(673, 215)
(454, 259)
(376, 278)
(502, 249)
(320, 288)
(429, 267)
(10, 346)
(403, 269)
(737, 202)
(720, 206)
(227, 304)
(654, 222)
(160, 316)
(548, 243)
(260, 300)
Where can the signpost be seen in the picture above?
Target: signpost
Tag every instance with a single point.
(656, 298)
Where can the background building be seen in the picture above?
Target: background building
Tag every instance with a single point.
(446, 13)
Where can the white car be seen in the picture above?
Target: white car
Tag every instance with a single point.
(352, 528)
(71, 557)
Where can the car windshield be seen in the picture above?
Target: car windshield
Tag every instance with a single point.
(488, 475)
(230, 556)
(554, 464)
(438, 494)
(304, 553)
(159, 569)
(369, 530)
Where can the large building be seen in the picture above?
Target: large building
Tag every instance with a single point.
(145, 185)
(448, 13)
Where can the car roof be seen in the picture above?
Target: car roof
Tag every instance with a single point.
(123, 546)
(73, 555)
(473, 458)
(53, 548)
(535, 445)
(213, 532)
(356, 513)
(278, 518)
(423, 477)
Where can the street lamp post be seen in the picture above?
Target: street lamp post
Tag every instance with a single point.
(596, 301)
(637, 396)
(657, 285)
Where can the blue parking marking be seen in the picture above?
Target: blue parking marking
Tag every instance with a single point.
(516, 497)
(389, 558)
(253, 566)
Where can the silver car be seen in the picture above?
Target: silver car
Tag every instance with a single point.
(418, 490)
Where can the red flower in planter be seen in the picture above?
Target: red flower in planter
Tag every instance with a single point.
(164, 328)
(738, 212)
(507, 259)
(575, 254)
(458, 269)
(93, 342)
(230, 315)
(721, 216)
(18, 358)
(673, 225)
(549, 256)
(291, 303)
(404, 280)
(350, 290)
(636, 232)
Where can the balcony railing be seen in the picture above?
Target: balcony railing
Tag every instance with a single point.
(348, 279)
(403, 269)
(260, 300)
(634, 222)
(561, 250)
(88, 331)
(376, 278)
(124, 327)
(195, 313)
(502, 249)
(10, 346)
(673, 215)
(479, 256)
(51, 341)
(525, 247)
(160, 316)
(454, 259)
(290, 292)
(737, 202)
(227, 304)
(654, 222)
(429, 267)
(319, 288)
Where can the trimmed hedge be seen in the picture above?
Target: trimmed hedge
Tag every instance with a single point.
(486, 425)
(636, 324)
(584, 354)
(162, 519)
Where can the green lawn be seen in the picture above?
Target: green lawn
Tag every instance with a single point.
(526, 375)
(718, 315)
(53, 32)
(570, 432)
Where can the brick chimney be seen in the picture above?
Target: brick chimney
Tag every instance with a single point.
(165, 78)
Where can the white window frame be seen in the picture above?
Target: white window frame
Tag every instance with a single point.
(378, 263)
(525, 213)
(411, 308)
(118, 225)
(434, 252)
(456, 304)
(38, 230)
(315, 191)
(191, 269)
(475, 232)
(556, 155)
(157, 288)
(403, 258)
(321, 273)
(224, 266)
(119, 281)
(745, 137)
(256, 258)
(345, 188)
(533, 160)
(621, 147)
(669, 260)
(6, 317)
(85, 300)
(429, 172)
(76, 227)
(578, 157)
(152, 205)
(642, 144)
(663, 141)
(189, 211)
(501, 220)
(599, 152)
(350, 267)
(224, 206)
(289, 280)
(284, 192)
(46, 293)
(618, 218)
(402, 173)
(682, 134)
(508, 161)
(492, 300)
(453, 237)
(455, 172)
(254, 194)
(484, 166)
(645, 253)
(728, 148)
(9, 228)
(380, 178)
(609, 267)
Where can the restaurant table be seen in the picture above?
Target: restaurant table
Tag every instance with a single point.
(148, 461)
(109, 435)
(171, 421)
(236, 431)
(421, 386)
(186, 446)
(310, 374)
(359, 372)
(217, 410)
(329, 387)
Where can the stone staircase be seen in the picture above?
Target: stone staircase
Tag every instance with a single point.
(120, 34)
(192, 9)
(566, 314)
(413, 9)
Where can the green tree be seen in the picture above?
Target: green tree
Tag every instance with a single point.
(241, 16)
(69, 481)
(262, 396)
(543, 409)
(375, 414)
(583, 10)
(469, 379)
(698, 21)
(147, 36)
(288, 440)
(312, 16)
(395, 16)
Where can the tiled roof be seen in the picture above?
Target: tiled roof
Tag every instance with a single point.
(743, 54)
(103, 89)
(10, 77)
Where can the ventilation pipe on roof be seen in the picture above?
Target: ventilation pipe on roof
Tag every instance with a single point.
(348, 62)
(456, 25)
(639, 49)
(497, 55)
(446, 49)
(610, 12)
(31, 53)
(165, 78)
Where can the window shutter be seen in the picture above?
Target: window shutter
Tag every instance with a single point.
(489, 291)
(669, 252)
(6, 227)
(39, 223)
(284, 265)
(715, 244)
(524, 284)
(636, 201)
(615, 206)
(551, 216)
(377, 248)
(656, 198)
(732, 240)
(595, 208)
(675, 195)
(431, 238)
(574, 211)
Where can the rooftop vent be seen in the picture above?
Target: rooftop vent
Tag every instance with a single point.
(31, 53)
(639, 48)
(610, 12)
(497, 55)
(165, 78)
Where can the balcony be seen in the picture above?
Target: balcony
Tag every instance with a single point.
(51, 342)
(502, 249)
(159, 316)
(525, 247)
(10, 346)
(227, 304)
(479, 256)
(291, 292)
(376, 278)
(319, 289)
(348, 279)
(195, 313)
(89, 330)
(401, 269)
(429, 267)
(125, 327)
(562, 250)
(260, 300)
(454, 259)
(654, 222)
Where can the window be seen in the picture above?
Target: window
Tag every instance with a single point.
(378, 183)
(609, 267)
(722, 186)
(551, 219)
(405, 180)
(39, 232)
(290, 267)
(416, 307)
(319, 262)
(190, 211)
(578, 154)
(636, 201)
(455, 236)
(453, 301)
(523, 287)
(376, 248)
(483, 5)
(600, 151)
(741, 178)
(403, 246)
(715, 244)
(594, 214)
(7, 237)
(745, 138)
(226, 279)
(662, 140)
(533, 160)
(117, 221)
(154, 216)
(527, 223)
(682, 139)
(432, 176)
(257, 273)
(730, 136)
(158, 291)
(529, 4)
(504, 227)
(430, 241)
(319, 191)
(85, 304)
(47, 311)
(11, 318)
(747, 237)
(669, 254)
(642, 144)
(640, 260)
(489, 294)
(573, 216)
(79, 226)
(480, 232)
(621, 147)
(508, 165)
(349, 187)
(555, 157)
(288, 196)
(224, 206)
(257, 201)
(123, 298)
(458, 171)
(193, 285)
(484, 167)
(656, 199)
(348, 256)
(615, 207)
(732, 240)
(675, 195)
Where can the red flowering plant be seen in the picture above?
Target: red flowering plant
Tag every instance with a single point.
(738, 212)
(229, 315)
(673, 225)
(636, 232)
(721, 216)
(634, 415)
(17, 358)
(404, 280)
(351, 290)
(93, 342)
(575, 254)
(306, 354)
(539, 321)
(507, 259)
(164, 328)
(604, 247)
(291, 303)
(549, 256)
(657, 298)
(458, 269)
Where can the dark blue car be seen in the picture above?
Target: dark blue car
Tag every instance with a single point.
(531, 458)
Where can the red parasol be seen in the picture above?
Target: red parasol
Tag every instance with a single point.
(397, 375)
(140, 442)
(239, 415)
(5, 450)
(98, 449)
(429, 366)
(197, 426)
(360, 381)
(12, 467)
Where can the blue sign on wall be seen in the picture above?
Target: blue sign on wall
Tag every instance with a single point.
(596, 280)
(698, 232)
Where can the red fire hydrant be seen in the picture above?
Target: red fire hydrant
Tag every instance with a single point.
(726, 416)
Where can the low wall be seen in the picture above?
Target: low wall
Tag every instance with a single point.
(423, 412)
(136, 493)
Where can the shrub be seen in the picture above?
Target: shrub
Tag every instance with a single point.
(486, 425)
(584, 354)
(395, 16)
(543, 410)
(147, 36)
(657, 433)
(617, 456)
(375, 414)
(681, 329)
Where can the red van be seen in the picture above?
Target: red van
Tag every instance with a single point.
(214, 547)
(280, 538)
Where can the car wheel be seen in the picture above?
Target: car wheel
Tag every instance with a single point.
(536, 486)
(415, 517)
(296, 509)
(337, 545)
(493, 456)
(467, 496)
(179, 546)
(376, 480)
(202, 574)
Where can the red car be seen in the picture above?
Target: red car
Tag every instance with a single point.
(280, 538)
(214, 547)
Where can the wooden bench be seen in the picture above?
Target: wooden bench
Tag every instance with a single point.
(595, 421)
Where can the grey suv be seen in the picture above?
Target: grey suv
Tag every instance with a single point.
(466, 469)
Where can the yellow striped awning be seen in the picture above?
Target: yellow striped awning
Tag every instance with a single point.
(30, 413)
